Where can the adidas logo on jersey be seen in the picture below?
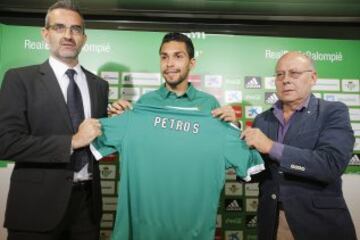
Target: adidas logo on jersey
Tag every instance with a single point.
(252, 82)
(270, 98)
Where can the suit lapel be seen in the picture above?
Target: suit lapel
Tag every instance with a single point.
(301, 120)
(49, 80)
(273, 127)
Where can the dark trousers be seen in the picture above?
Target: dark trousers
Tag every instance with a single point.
(77, 223)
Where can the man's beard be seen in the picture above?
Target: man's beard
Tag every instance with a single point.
(179, 80)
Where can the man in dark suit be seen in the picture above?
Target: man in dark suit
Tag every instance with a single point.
(307, 144)
(55, 186)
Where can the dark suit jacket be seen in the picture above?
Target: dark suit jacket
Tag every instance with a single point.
(35, 132)
(318, 147)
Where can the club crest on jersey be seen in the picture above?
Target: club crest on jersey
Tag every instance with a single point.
(176, 124)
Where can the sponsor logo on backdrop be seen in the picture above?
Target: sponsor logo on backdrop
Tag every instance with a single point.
(348, 99)
(233, 235)
(110, 77)
(357, 144)
(105, 234)
(270, 98)
(109, 158)
(218, 221)
(251, 189)
(233, 205)
(251, 221)
(196, 35)
(130, 93)
(230, 174)
(356, 128)
(252, 111)
(107, 171)
(251, 204)
(195, 80)
(327, 85)
(237, 110)
(248, 123)
(108, 187)
(354, 114)
(233, 81)
(252, 97)
(113, 93)
(233, 189)
(213, 81)
(139, 78)
(355, 160)
(233, 96)
(109, 203)
(269, 83)
(233, 221)
(350, 85)
(107, 220)
(252, 82)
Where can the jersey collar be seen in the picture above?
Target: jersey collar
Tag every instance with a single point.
(190, 92)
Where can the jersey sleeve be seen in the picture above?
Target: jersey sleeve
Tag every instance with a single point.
(239, 156)
(113, 132)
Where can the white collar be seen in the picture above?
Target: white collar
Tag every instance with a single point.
(60, 68)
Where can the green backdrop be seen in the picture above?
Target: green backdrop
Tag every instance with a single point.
(238, 70)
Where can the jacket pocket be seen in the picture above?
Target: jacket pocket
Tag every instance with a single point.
(329, 202)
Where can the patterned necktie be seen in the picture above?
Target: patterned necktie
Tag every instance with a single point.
(80, 156)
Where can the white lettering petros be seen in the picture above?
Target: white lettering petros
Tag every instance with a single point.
(176, 124)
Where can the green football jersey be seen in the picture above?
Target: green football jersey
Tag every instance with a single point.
(172, 170)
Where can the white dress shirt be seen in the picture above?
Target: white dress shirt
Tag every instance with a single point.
(59, 69)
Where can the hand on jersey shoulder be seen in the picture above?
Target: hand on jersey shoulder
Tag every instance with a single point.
(118, 107)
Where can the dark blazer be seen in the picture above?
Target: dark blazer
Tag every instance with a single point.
(318, 147)
(35, 132)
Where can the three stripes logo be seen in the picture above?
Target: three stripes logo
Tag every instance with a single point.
(233, 205)
(252, 82)
(270, 97)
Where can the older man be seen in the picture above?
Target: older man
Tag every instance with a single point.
(307, 144)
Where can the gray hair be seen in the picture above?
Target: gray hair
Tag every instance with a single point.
(63, 4)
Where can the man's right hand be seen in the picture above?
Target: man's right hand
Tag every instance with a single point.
(88, 130)
(118, 107)
(254, 137)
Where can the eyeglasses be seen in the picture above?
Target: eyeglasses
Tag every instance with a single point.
(61, 28)
(292, 74)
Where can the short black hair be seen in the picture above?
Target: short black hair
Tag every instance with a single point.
(63, 4)
(179, 37)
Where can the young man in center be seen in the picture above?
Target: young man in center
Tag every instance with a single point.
(176, 62)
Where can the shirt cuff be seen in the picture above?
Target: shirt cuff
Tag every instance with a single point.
(276, 151)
